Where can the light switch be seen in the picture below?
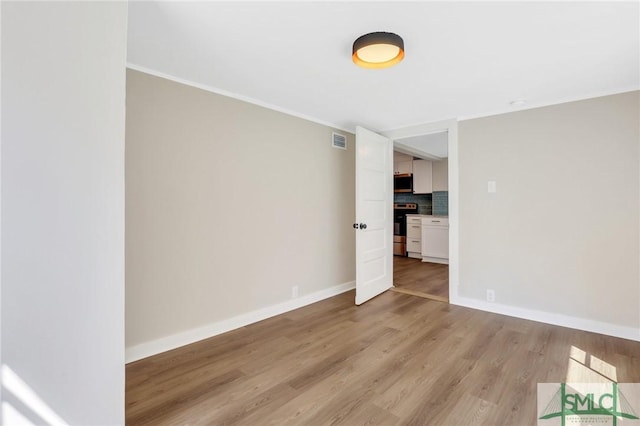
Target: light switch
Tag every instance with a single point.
(491, 186)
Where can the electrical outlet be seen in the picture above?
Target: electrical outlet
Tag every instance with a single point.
(294, 291)
(491, 187)
(491, 295)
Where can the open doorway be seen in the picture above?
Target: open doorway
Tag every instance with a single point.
(421, 215)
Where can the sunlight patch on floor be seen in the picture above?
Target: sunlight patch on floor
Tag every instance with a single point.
(586, 368)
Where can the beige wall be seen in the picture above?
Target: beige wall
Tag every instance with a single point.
(228, 205)
(561, 234)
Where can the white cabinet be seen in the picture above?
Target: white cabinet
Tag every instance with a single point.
(428, 176)
(422, 179)
(414, 236)
(441, 175)
(404, 167)
(435, 240)
(402, 163)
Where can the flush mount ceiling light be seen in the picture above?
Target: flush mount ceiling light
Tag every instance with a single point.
(378, 50)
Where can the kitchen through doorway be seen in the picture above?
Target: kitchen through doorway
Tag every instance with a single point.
(421, 223)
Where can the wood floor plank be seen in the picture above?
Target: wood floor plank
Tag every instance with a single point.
(420, 294)
(397, 359)
(421, 277)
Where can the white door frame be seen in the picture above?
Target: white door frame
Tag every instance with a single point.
(451, 127)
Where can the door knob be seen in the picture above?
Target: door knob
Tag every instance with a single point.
(363, 226)
(355, 225)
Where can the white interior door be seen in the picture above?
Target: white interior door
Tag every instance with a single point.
(374, 214)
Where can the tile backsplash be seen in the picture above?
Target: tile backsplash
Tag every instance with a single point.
(436, 203)
(441, 203)
(422, 200)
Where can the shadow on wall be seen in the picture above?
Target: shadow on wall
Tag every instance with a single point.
(21, 405)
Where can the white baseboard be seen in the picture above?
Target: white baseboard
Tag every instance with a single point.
(173, 341)
(551, 318)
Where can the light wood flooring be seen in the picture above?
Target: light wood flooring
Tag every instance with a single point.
(397, 359)
(421, 278)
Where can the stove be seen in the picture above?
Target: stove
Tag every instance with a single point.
(400, 211)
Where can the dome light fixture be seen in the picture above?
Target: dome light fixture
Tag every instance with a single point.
(378, 50)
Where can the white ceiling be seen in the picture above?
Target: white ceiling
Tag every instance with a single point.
(463, 59)
(434, 145)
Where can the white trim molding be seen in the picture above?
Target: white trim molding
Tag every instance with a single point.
(537, 104)
(233, 95)
(562, 320)
(154, 347)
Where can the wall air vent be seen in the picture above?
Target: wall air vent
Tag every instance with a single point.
(338, 141)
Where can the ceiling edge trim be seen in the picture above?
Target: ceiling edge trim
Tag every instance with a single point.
(565, 100)
(237, 96)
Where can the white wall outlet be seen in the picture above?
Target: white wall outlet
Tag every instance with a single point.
(491, 295)
(294, 291)
(491, 187)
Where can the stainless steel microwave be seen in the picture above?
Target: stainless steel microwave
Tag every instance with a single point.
(403, 183)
